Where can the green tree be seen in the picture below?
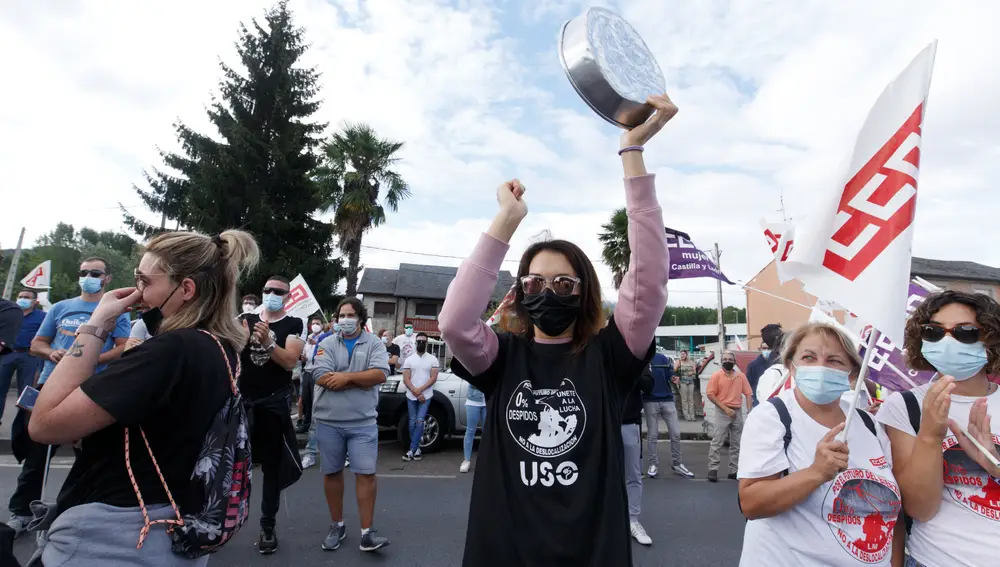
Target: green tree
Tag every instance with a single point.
(357, 167)
(255, 173)
(615, 250)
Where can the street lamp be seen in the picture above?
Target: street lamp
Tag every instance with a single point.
(675, 319)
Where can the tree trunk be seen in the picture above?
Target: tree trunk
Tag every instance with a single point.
(353, 267)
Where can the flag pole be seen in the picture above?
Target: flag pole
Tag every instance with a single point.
(13, 266)
(860, 384)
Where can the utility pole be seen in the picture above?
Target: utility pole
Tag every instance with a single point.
(718, 284)
(9, 286)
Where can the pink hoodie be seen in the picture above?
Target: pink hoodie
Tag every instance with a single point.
(641, 297)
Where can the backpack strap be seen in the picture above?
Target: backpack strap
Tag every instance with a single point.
(912, 410)
(868, 421)
(785, 417)
(147, 524)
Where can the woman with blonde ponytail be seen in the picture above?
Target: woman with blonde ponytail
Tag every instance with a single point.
(170, 388)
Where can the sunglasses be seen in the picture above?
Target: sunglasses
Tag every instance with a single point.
(965, 334)
(92, 273)
(560, 285)
(276, 291)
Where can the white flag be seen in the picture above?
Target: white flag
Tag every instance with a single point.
(40, 277)
(43, 300)
(780, 238)
(856, 248)
(301, 301)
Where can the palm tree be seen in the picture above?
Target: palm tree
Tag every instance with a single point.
(357, 166)
(615, 240)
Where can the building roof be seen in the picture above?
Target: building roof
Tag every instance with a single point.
(420, 281)
(953, 270)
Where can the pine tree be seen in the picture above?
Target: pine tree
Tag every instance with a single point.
(258, 176)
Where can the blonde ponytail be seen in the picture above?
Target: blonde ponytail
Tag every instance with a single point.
(215, 264)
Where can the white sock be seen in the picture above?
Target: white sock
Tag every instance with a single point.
(364, 531)
(340, 524)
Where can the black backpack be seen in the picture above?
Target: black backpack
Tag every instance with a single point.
(220, 480)
(786, 420)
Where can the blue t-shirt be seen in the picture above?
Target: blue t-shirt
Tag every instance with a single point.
(32, 321)
(349, 343)
(62, 321)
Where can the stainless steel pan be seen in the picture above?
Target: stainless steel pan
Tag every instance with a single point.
(610, 66)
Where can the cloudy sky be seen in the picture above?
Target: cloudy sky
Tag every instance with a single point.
(771, 92)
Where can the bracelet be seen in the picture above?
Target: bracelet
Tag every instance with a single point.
(631, 149)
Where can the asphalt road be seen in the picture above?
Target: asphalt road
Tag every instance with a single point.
(423, 507)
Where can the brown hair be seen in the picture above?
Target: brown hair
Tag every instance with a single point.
(791, 344)
(215, 264)
(107, 267)
(591, 317)
(987, 316)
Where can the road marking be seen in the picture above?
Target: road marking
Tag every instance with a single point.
(437, 476)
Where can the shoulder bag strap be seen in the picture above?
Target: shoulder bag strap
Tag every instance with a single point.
(867, 419)
(785, 417)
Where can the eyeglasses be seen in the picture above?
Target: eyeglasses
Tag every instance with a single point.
(965, 334)
(276, 291)
(560, 285)
(92, 273)
(142, 280)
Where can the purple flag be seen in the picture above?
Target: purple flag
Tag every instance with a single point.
(686, 261)
(888, 363)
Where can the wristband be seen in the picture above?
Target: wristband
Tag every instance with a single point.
(631, 149)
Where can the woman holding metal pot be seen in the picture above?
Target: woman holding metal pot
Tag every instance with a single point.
(549, 488)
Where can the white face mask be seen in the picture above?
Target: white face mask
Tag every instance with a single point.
(249, 307)
(316, 328)
(385, 339)
(348, 325)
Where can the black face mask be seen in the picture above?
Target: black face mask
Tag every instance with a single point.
(152, 318)
(728, 366)
(552, 313)
(421, 346)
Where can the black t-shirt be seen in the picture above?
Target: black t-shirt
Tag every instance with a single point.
(549, 487)
(393, 351)
(261, 375)
(171, 386)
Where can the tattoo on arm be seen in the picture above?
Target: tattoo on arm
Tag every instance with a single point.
(76, 351)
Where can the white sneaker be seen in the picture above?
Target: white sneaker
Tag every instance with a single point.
(681, 470)
(18, 524)
(639, 533)
(418, 455)
(653, 471)
(308, 461)
(408, 456)
(466, 465)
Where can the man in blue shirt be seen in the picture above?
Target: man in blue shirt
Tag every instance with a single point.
(19, 360)
(55, 335)
(657, 404)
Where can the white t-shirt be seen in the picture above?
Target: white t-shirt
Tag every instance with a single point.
(966, 530)
(420, 366)
(407, 346)
(848, 521)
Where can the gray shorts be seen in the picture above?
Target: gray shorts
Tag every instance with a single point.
(337, 443)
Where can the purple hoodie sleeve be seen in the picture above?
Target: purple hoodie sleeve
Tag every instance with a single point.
(469, 338)
(643, 292)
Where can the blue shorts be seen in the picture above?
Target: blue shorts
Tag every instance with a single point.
(337, 443)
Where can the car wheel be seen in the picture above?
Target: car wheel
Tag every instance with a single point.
(434, 430)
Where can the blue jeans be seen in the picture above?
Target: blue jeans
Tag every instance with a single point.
(473, 415)
(21, 363)
(417, 411)
(311, 448)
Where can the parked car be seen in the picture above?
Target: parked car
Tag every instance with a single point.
(446, 415)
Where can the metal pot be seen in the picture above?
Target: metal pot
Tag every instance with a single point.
(610, 67)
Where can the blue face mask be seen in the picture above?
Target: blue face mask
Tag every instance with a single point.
(273, 302)
(336, 327)
(821, 385)
(24, 302)
(952, 358)
(91, 285)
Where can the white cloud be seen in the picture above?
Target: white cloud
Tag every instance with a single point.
(771, 94)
